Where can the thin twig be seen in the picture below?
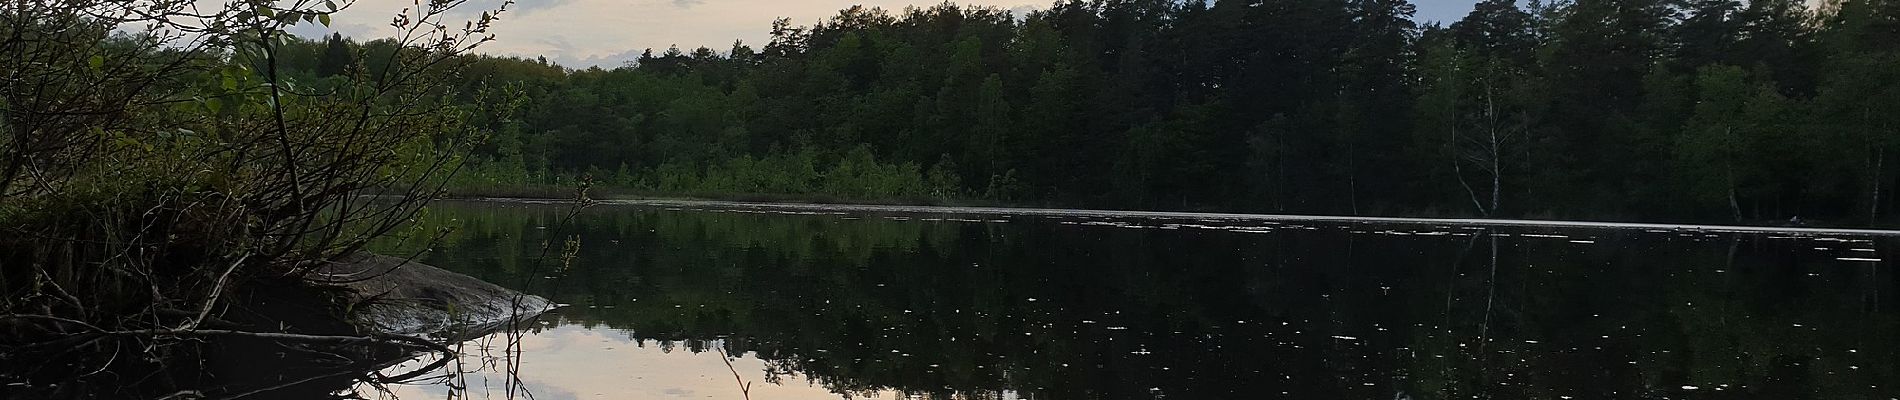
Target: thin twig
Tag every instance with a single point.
(217, 288)
(745, 388)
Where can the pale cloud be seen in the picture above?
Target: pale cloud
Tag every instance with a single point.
(582, 33)
(603, 61)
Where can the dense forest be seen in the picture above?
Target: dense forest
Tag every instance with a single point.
(176, 201)
(1703, 110)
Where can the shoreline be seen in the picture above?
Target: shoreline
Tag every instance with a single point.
(1095, 213)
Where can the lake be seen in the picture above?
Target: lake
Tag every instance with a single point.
(913, 303)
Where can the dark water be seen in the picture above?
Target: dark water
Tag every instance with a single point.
(830, 305)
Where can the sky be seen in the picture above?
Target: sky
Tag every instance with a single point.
(582, 33)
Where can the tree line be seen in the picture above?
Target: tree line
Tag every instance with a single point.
(1680, 110)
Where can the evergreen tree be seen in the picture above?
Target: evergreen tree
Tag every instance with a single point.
(1498, 28)
(337, 56)
(1706, 109)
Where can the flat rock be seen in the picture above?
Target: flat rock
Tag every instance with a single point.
(404, 297)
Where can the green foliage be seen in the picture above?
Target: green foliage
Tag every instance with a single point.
(1731, 120)
(162, 181)
(1586, 109)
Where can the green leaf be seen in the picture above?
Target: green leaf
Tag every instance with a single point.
(324, 18)
(97, 62)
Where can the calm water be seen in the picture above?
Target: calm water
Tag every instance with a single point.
(862, 304)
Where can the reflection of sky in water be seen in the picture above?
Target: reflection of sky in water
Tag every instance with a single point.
(570, 361)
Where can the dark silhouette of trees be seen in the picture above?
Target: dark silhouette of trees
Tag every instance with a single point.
(1587, 109)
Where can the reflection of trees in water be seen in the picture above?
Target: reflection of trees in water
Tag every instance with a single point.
(1642, 316)
(945, 308)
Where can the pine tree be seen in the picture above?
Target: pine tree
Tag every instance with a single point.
(337, 57)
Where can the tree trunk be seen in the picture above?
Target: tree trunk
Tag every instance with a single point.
(1352, 178)
(1352, 194)
(1728, 172)
(1497, 171)
(1734, 207)
(1458, 170)
(1497, 153)
(1873, 206)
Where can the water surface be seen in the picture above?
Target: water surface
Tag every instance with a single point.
(814, 303)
